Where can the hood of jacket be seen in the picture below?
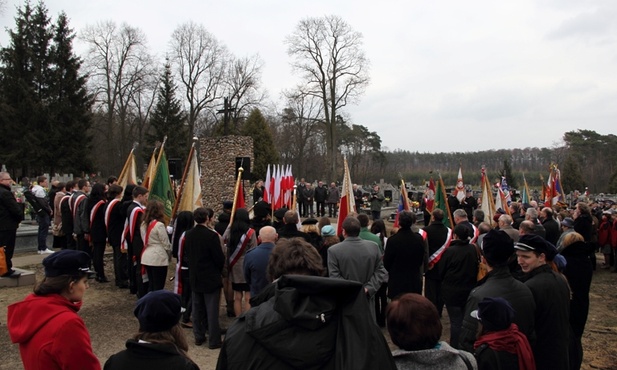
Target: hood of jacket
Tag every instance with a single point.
(26, 318)
(299, 323)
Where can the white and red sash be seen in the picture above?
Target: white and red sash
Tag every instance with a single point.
(95, 209)
(240, 248)
(78, 200)
(110, 207)
(129, 228)
(476, 233)
(435, 257)
(151, 225)
(423, 234)
(178, 280)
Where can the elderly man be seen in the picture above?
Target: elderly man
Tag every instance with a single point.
(357, 259)
(505, 224)
(256, 260)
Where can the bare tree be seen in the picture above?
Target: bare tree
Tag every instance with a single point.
(300, 129)
(121, 69)
(242, 85)
(199, 60)
(328, 54)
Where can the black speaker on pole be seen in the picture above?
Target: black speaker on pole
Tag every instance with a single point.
(245, 163)
(175, 168)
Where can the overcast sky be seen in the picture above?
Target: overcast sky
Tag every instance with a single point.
(446, 75)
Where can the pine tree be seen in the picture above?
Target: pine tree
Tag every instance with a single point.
(571, 175)
(168, 119)
(264, 150)
(70, 115)
(18, 93)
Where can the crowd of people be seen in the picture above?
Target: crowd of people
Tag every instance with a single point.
(515, 288)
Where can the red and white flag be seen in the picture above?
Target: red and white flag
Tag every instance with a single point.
(348, 203)
(460, 186)
(267, 193)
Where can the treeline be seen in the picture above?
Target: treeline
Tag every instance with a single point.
(61, 112)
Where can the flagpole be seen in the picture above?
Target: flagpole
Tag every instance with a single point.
(184, 174)
(445, 197)
(236, 190)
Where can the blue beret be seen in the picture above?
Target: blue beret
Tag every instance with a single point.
(67, 262)
(158, 311)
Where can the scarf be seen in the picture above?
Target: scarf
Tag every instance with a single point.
(510, 340)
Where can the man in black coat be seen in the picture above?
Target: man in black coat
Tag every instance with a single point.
(552, 297)
(204, 252)
(497, 248)
(290, 228)
(321, 193)
(11, 215)
(550, 225)
(405, 258)
(437, 236)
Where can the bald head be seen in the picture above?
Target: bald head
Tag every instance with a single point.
(268, 234)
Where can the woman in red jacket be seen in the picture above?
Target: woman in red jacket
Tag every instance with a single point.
(50, 333)
(604, 238)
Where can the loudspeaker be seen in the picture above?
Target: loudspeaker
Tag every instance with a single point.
(175, 168)
(245, 162)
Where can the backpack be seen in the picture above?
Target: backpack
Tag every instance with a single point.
(39, 205)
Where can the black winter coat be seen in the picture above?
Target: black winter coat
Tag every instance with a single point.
(11, 213)
(149, 356)
(553, 231)
(488, 359)
(404, 258)
(306, 322)
(579, 272)
(552, 296)
(437, 233)
(499, 283)
(458, 270)
(204, 252)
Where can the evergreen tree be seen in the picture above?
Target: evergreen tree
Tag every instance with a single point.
(18, 93)
(507, 172)
(263, 144)
(70, 115)
(571, 176)
(169, 120)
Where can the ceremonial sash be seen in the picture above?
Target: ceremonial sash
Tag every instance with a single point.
(144, 274)
(110, 207)
(178, 280)
(94, 211)
(435, 257)
(129, 228)
(64, 199)
(476, 233)
(78, 200)
(423, 234)
(240, 248)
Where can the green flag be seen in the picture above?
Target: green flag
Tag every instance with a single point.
(161, 188)
(441, 202)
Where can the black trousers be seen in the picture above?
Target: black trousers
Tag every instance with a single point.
(97, 258)
(156, 277)
(121, 273)
(321, 209)
(206, 316)
(432, 291)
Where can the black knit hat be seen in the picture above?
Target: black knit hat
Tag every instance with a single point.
(497, 247)
(495, 313)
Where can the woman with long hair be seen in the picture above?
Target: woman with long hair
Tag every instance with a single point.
(160, 342)
(239, 238)
(184, 222)
(50, 333)
(95, 209)
(156, 254)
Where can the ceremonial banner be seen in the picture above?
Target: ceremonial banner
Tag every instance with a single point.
(161, 188)
(441, 202)
(347, 202)
(129, 171)
(403, 204)
(460, 187)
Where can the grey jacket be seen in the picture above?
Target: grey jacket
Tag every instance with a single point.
(444, 357)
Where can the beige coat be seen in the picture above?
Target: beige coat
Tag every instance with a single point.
(158, 250)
